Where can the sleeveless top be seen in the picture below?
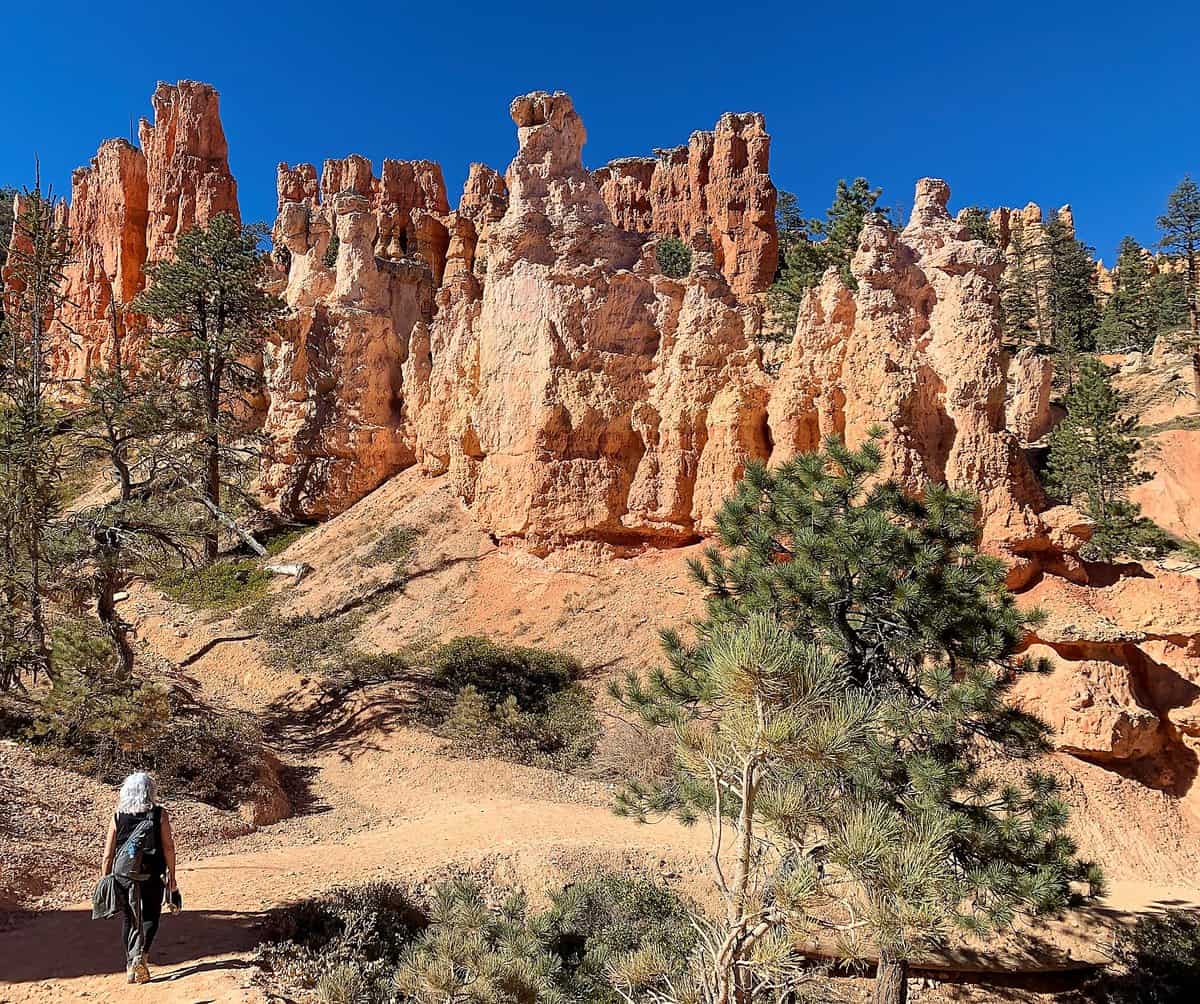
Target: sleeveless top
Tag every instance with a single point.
(153, 860)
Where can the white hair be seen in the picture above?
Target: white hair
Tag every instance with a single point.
(137, 793)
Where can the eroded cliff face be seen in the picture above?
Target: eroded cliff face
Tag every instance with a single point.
(187, 164)
(108, 224)
(526, 347)
(719, 184)
(533, 352)
(364, 257)
(127, 208)
(915, 350)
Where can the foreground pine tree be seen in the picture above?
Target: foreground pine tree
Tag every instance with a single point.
(839, 709)
(211, 316)
(1093, 464)
(31, 452)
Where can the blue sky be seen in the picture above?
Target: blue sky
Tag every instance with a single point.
(1092, 103)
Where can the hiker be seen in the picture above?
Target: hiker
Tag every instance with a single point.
(143, 882)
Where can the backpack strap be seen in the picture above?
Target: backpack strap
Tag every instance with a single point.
(159, 856)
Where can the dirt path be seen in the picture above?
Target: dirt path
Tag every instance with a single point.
(399, 810)
(201, 954)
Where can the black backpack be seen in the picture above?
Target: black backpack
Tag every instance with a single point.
(129, 863)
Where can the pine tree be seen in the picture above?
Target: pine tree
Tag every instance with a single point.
(765, 740)
(977, 220)
(1093, 464)
(1179, 227)
(1128, 320)
(211, 315)
(811, 247)
(125, 420)
(790, 226)
(1019, 299)
(471, 954)
(1168, 302)
(31, 452)
(1071, 298)
(106, 546)
(887, 603)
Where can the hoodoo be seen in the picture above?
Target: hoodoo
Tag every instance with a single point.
(520, 374)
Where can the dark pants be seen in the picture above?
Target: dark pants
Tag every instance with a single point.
(143, 900)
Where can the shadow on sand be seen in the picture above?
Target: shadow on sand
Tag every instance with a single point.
(66, 944)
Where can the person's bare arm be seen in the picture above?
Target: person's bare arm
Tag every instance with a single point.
(110, 849)
(168, 839)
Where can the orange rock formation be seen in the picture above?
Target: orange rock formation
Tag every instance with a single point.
(127, 207)
(718, 184)
(526, 347)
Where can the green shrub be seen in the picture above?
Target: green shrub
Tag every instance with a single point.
(347, 983)
(560, 738)
(674, 257)
(282, 539)
(381, 943)
(1157, 961)
(516, 703)
(216, 757)
(612, 923)
(497, 671)
(344, 945)
(319, 645)
(221, 586)
(93, 711)
(472, 952)
(331, 252)
(101, 722)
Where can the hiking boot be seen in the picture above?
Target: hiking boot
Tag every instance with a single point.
(141, 972)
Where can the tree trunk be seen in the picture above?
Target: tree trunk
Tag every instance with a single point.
(891, 982)
(732, 984)
(1194, 319)
(212, 492)
(106, 610)
(124, 476)
(37, 611)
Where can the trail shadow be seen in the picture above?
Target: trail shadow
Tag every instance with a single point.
(216, 965)
(66, 944)
(348, 719)
(297, 783)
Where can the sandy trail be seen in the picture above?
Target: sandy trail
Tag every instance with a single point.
(398, 813)
(201, 954)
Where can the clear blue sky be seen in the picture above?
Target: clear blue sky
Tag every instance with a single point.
(1092, 103)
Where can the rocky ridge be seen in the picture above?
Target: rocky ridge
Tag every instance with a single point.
(127, 207)
(526, 347)
(719, 184)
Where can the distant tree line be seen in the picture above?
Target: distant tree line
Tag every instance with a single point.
(1049, 296)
